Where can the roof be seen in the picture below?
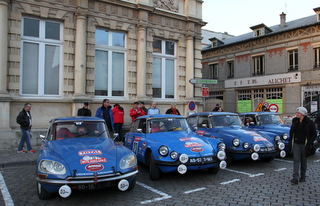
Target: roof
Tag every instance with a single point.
(291, 25)
(75, 118)
(259, 113)
(161, 116)
(213, 113)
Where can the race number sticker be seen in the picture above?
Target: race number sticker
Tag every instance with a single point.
(136, 145)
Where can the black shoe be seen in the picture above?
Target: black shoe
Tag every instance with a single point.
(302, 180)
(294, 181)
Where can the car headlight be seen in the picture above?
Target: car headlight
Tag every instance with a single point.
(236, 142)
(128, 161)
(277, 138)
(281, 145)
(51, 167)
(222, 146)
(285, 136)
(245, 145)
(256, 148)
(163, 150)
(174, 155)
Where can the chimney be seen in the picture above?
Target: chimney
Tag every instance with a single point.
(282, 20)
(317, 10)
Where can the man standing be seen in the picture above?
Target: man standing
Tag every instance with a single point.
(105, 112)
(25, 121)
(84, 111)
(118, 116)
(173, 109)
(153, 109)
(136, 112)
(141, 105)
(302, 133)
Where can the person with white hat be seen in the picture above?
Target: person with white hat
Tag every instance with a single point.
(303, 134)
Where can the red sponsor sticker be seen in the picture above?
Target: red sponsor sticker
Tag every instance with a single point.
(184, 139)
(144, 145)
(88, 160)
(192, 144)
(260, 138)
(196, 149)
(87, 152)
(137, 139)
(200, 132)
(94, 167)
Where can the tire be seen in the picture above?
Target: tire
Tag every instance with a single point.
(132, 184)
(267, 159)
(154, 171)
(42, 193)
(213, 170)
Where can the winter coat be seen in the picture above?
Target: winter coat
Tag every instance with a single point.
(24, 120)
(99, 113)
(134, 113)
(118, 114)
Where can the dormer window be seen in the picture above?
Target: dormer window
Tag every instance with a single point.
(260, 30)
(317, 10)
(215, 42)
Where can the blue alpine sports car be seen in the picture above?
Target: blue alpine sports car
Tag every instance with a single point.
(77, 153)
(166, 143)
(241, 142)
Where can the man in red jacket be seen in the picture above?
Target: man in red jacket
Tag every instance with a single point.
(118, 119)
(136, 112)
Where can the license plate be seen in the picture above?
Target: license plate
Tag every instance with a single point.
(200, 159)
(94, 186)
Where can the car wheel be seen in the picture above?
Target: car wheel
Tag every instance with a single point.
(42, 193)
(229, 159)
(213, 170)
(267, 159)
(154, 170)
(132, 184)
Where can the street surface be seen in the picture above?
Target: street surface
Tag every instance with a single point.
(243, 183)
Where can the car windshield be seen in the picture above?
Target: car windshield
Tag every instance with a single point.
(270, 119)
(64, 130)
(167, 125)
(225, 121)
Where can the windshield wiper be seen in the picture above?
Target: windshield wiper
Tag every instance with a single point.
(102, 133)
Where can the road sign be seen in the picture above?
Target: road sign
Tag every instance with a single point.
(191, 105)
(259, 107)
(273, 108)
(205, 91)
(203, 81)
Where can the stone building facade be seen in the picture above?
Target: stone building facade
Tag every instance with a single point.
(57, 54)
(277, 66)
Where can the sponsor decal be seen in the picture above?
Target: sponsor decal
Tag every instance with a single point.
(137, 139)
(87, 152)
(196, 149)
(192, 144)
(184, 139)
(90, 159)
(200, 132)
(94, 167)
(144, 145)
(260, 138)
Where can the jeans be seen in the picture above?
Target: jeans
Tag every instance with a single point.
(118, 129)
(299, 161)
(25, 138)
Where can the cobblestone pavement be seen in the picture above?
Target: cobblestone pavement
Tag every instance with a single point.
(243, 183)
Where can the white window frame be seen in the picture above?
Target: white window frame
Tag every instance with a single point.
(294, 55)
(163, 56)
(230, 67)
(42, 42)
(214, 71)
(110, 50)
(256, 65)
(316, 57)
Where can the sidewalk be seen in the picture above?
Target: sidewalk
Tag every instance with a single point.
(10, 158)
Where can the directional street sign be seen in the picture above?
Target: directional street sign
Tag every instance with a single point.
(203, 81)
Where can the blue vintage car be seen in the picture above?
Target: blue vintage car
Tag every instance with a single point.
(270, 123)
(77, 153)
(166, 143)
(241, 142)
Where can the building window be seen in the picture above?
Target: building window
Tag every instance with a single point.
(41, 57)
(258, 65)
(317, 57)
(163, 69)
(293, 60)
(230, 72)
(213, 71)
(109, 63)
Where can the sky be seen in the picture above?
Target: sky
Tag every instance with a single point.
(237, 16)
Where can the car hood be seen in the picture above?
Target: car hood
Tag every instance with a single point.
(275, 128)
(243, 133)
(84, 156)
(184, 142)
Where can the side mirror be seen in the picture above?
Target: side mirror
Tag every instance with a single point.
(42, 137)
(139, 130)
(115, 136)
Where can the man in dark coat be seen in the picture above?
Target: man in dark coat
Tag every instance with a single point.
(303, 134)
(25, 121)
(105, 112)
(84, 111)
